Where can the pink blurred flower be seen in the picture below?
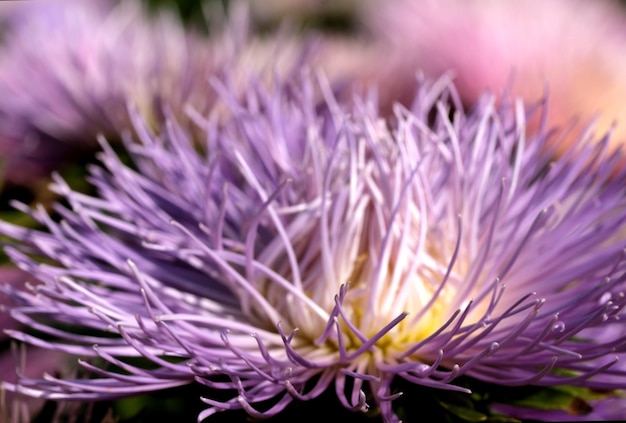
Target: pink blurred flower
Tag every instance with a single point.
(575, 48)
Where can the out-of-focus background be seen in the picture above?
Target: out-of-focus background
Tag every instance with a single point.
(68, 69)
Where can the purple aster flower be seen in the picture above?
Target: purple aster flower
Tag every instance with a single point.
(308, 245)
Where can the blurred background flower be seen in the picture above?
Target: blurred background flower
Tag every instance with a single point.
(70, 67)
(575, 51)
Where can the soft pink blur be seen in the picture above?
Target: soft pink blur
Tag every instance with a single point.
(575, 48)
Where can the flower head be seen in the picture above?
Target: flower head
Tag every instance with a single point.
(308, 244)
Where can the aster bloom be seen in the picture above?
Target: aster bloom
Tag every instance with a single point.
(308, 245)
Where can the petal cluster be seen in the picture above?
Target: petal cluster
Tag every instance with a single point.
(303, 244)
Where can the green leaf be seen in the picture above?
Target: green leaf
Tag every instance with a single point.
(127, 408)
(568, 399)
(465, 413)
(586, 393)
